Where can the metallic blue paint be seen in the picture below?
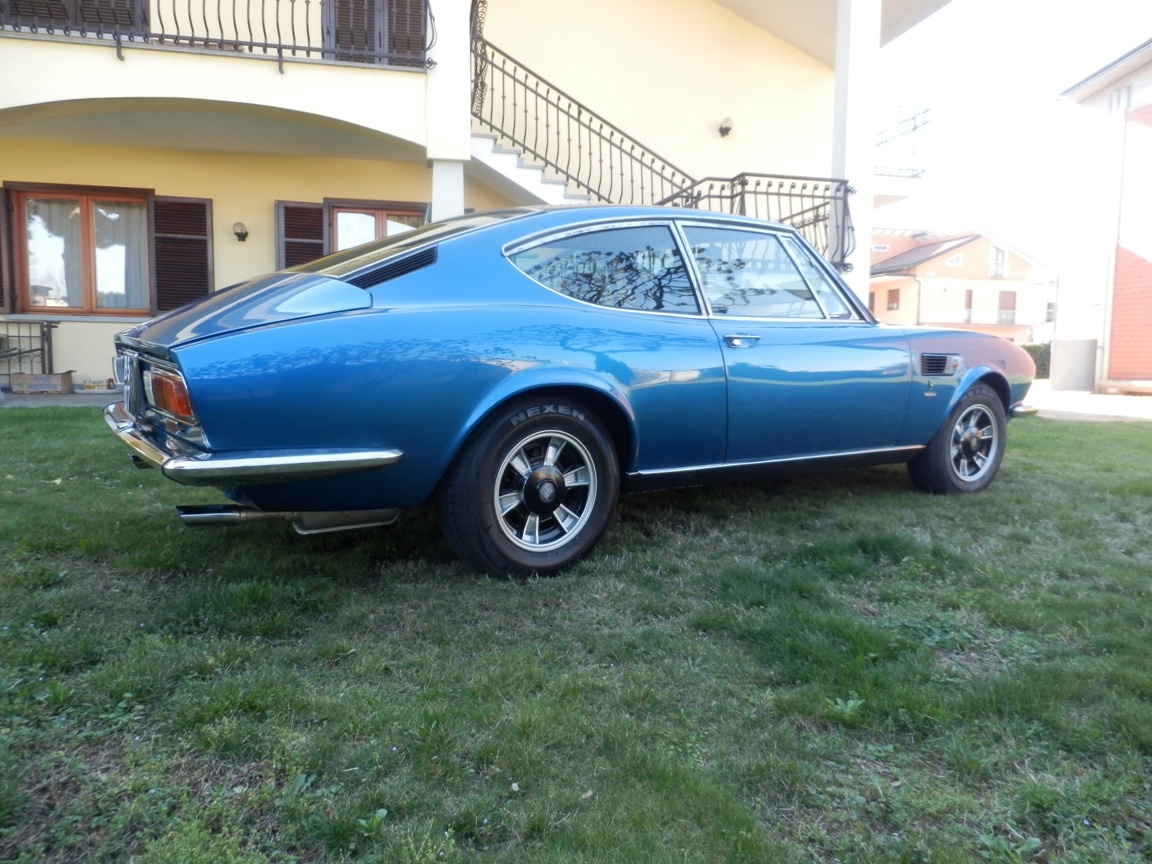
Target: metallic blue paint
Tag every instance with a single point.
(303, 361)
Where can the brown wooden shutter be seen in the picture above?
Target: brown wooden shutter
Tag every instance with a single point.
(299, 233)
(356, 26)
(5, 258)
(183, 244)
(124, 15)
(92, 15)
(42, 13)
(406, 32)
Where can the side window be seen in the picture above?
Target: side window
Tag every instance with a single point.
(749, 273)
(622, 268)
(819, 281)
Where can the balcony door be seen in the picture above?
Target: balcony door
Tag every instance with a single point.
(389, 32)
(94, 16)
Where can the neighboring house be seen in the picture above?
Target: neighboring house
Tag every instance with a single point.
(1104, 331)
(152, 151)
(968, 281)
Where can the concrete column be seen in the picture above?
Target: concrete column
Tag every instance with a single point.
(449, 109)
(853, 134)
(447, 188)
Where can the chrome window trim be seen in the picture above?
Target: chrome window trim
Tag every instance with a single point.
(846, 295)
(776, 234)
(539, 239)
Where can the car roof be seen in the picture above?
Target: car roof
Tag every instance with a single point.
(511, 225)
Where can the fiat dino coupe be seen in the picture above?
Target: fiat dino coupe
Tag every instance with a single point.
(521, 369)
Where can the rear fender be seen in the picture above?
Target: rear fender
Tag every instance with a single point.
(604, 395)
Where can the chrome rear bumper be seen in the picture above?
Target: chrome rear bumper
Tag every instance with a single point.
(239, 469)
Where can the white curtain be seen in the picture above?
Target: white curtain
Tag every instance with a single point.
(121, 254)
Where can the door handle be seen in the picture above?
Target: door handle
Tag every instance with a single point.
(741, 340)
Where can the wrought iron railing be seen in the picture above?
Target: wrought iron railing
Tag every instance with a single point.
(25, 346)
(817, 207)
(555, 130)
(598, 159)
(383, 32)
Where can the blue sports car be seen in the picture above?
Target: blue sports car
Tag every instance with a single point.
(521, 369)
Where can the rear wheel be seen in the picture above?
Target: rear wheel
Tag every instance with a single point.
(966, 451)
(533, 491)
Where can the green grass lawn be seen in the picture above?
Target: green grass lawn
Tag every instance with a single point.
(826, 669)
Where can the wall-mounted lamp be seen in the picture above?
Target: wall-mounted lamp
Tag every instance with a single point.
(240, 230)
(725, 127)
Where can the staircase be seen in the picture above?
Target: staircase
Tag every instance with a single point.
(506, 169)
(531, 137)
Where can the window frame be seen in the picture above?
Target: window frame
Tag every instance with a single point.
(328, 208)
(19, 193)
(381, 210)
(846, 297)
(676, 243)
(998, 264)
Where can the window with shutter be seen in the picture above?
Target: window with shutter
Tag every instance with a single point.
(183, 242)
(299, 233)
(127, 16)
(376, 31)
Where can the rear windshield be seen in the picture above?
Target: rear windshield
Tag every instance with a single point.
(350, 260)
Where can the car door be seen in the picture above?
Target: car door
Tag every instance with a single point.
(638, 325)
(807, 374)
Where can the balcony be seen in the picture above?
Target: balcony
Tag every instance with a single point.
(377, 32)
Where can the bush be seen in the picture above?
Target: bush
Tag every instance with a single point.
(1042, 357)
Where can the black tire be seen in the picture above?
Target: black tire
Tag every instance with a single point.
(965, 453)
(533, 490)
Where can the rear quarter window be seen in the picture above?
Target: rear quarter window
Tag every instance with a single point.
(634, 267)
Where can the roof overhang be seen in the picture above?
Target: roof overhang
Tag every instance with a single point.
(1139, 56)
(811, 25)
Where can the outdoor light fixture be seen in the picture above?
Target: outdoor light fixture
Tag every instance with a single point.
(240, 230)
(725, 127)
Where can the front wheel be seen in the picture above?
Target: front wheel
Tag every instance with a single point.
(533, 491)
(965, 453)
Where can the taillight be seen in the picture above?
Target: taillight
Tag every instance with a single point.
(168, 393)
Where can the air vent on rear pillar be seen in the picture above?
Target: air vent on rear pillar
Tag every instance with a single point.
(938, 364)
(394, 267)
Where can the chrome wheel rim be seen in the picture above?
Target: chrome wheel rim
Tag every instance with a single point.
(545, 491)
(975, 439)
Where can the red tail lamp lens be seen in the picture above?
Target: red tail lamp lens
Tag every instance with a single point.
(167, 392)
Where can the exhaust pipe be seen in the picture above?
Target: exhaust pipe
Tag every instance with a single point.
(304, 521)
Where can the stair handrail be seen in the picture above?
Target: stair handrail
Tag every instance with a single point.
(817, 207)
(537, 118)
(551, 127)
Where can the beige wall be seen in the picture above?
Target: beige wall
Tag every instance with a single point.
(669, 75)
(77, 71)
(242, 186)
